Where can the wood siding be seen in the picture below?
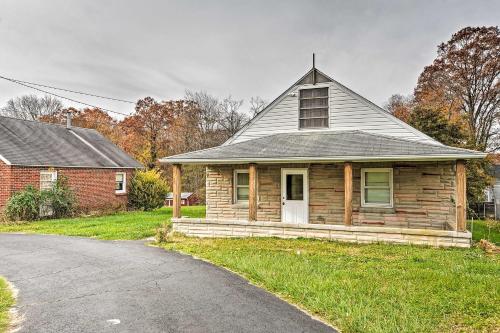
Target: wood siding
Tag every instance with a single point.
(348, 111)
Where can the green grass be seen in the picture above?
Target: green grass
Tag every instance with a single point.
(485, 230)
(368, 288)
(6, 301)
(123, 225)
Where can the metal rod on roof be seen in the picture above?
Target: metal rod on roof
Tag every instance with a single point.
(314, 69)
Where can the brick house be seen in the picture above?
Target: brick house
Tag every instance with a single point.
(187, 199)
(38, 153)
(322, 161)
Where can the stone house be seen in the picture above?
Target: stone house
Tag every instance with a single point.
(36, 153)
(322, 161)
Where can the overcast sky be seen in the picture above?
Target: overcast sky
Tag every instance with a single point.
(133, 49)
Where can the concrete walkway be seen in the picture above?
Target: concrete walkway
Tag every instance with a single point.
(69, 284)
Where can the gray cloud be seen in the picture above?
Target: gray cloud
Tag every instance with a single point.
(131, 49)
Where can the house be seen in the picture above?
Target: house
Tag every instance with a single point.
(187, 199)
(38, 153)
(322, 161)
(490, 207)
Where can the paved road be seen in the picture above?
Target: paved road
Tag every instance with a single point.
(69, 284)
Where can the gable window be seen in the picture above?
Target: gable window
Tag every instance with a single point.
(121, 182)
(241, 186)
(376, 187)
(313, 108)
(47, 180)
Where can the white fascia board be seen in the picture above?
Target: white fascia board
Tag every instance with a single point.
(6, 161)
(387, 158)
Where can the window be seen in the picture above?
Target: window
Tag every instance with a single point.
(121, 182)
(241, 186)
(294, 187)
(313, 108)
(376, 187)
(47, 179)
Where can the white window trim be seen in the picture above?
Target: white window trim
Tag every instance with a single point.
(124, 190)
(307, 87)
(235, 185)
(53, 175)
(391, 188)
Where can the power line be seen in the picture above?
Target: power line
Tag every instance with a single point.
(67, 90)
(63, 97)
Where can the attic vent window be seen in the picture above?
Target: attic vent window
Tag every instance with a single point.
(313, 109)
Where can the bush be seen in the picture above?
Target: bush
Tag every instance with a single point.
(147, 190)
(24, 205)
(60, 198)
(30, 203)
(163, 233)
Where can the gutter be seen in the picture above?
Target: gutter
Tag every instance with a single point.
(386, 158)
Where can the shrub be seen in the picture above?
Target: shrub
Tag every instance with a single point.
(147, 190)
(30, 203)
(163, 233)
(61, 199)
(24, 205)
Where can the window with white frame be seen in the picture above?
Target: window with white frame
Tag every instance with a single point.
(121, 182)
(47, 180)
(313, 108)
(241, 186)
(376, 187)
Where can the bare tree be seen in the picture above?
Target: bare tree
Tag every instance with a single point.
(257, 104)
(31, 107)
(232, 120)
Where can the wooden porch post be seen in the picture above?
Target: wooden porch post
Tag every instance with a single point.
(176, 189)
(461, 195)
(348, 193)
(252, 192)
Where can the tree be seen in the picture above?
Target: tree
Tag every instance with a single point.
(31, 107)
(400, 106)
(232, 120)
(257, 104)
(434, 123)
(465, 77)
(149, 124)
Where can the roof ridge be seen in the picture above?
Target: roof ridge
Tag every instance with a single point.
(44, 123)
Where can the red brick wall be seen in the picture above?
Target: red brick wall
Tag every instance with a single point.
(4, 183)
(94, 188)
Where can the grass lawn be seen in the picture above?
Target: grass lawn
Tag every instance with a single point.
(124, 225)
(6, 301)
(484, 230)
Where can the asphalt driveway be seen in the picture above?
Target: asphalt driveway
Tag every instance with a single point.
(69, 284)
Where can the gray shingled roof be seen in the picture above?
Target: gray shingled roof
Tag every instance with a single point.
(323, 146)
(33, 143)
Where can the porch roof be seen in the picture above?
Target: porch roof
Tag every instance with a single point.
(323, 146)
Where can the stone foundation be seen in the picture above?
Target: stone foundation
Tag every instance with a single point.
(354, 234)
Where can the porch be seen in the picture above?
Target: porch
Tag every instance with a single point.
(425, 202)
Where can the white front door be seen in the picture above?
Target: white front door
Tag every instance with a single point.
(294, 196)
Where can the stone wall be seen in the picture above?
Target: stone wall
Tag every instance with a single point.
(423, 195)
(353, 234)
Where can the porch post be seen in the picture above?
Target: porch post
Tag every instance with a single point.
(461, 195)
(348, 193)
(252, 192)
(176, 189)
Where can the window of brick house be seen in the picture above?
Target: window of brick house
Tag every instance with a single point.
(241, 186)
(121, 182)
(313, 108)
(47, 179)
(376, 187)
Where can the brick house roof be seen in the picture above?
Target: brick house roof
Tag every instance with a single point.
(32, 143)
